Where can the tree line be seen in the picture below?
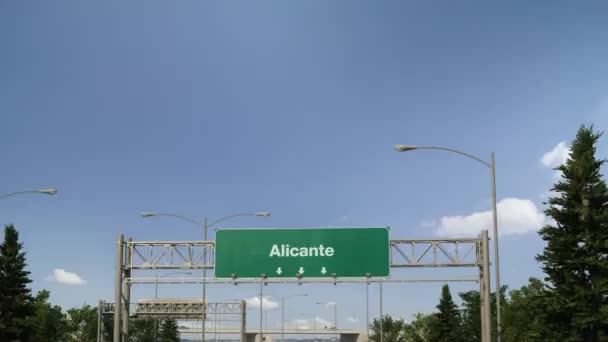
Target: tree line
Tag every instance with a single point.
(31, 318)
(571, 302)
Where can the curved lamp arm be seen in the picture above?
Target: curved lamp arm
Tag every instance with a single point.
(262, 213)
(43, 191)
(405, 148)
(149, 214)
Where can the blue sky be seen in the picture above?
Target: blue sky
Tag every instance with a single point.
(211, 108)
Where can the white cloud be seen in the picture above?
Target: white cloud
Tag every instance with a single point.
(317, 323)
(557, 156)
(515, 216)
(352, 319)
(267, 303)
(64, 277)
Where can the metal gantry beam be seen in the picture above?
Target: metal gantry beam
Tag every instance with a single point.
(154, 255)
(435, 253)
(151, 255)
(181, 309)
(146, 280)
(177, 309)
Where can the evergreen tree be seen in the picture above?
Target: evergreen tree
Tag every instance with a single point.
(82, 324)
(392, 329)
(142, 330)
(420, 328)
(447, 325)
(169, 331)
(16, 307)
(48, 323)
(575, 257)
(471, 314)
(525, 314)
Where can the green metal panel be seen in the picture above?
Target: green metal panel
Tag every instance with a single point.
(313, 252)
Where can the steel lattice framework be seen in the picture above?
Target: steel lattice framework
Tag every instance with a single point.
(171, 254)
(197, 255)
(151, 255)
(436, 253)
(179, 309)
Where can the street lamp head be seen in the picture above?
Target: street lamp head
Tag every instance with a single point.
(48, 191)
(405, 148)
(263, 213)
(148, 214)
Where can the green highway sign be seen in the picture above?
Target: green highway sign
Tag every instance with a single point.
(309, 252)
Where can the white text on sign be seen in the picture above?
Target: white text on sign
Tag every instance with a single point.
(286, 251)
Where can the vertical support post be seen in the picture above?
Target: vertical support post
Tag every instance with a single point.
(219, 325)
(336, 321)
(495, 230)
(118, 290)
(218, 334)
(381, 315)
(155, 297)
(99, 321)
(261, 310)
(481, 308)
(486, 285)
(127, 291)
(204, 280)
(243, 321)
(367, 307)
(282, 319)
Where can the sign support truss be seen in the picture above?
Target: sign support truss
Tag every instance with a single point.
(199, 255)
(196, 255)
(180, 310)
(436, 253)
(155, 255)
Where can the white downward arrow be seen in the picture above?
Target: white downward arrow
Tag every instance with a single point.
(323, 270)
(279, 271)
(301, 270)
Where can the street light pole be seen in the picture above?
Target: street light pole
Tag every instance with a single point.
(495, 230)
(156, 294)
(205, 226)
(367, 308)
(491, 165)
(204, 282)
(261, 311)
(155, 297)
(283, 312)
(335, 305)
(336, 321)
(381, 318)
